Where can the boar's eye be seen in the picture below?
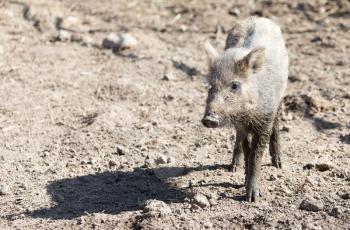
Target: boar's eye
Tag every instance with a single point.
(235, 86)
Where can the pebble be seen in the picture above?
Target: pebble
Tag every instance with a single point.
(121, 151)
(148, 162)
(4, 190)
(112, 163)
(311, 204)
(345, 196)
(201, 200)
(171, 160)
(161, 159)
(323, 167)
(119, 41)
(285, 128)
(156, 208)
(63, 35)
(70, 21)
(336, 212)
(286, 190)
(168, 73)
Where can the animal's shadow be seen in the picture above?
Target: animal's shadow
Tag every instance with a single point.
(113, 192)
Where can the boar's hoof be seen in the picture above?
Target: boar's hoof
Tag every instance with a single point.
(277, 162)
(253, 194)
(232, 167)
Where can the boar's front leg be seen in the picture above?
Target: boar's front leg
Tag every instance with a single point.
(258, 146)
(237, 152)
(246, 150)
(275, 149)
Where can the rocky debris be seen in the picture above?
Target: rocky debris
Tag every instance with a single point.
(312, 205)
(337, 211)
(156, 208)
(345, 196)
(308, 166)
(234, 11)
(317, 104)
(121, 151)
(322, 167)
(285, 128)
(168, 73)
(4, 190)
(63, 36)
(161, 159)
(170, 160)
(118, 41)
(71, 21)
(201, 200)
(284, 189)
(112, 163)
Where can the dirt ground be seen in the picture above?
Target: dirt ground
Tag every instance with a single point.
(88, 135)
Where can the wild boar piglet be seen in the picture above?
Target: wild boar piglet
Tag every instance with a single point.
(247, 82)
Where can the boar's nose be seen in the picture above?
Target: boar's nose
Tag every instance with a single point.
(211, 120)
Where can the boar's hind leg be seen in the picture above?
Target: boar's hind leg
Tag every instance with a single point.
(258, 146)
(275, 149)
(237, 153)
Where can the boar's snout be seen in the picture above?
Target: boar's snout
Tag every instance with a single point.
(211, 120)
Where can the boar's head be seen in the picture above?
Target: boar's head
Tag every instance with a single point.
(233, 92)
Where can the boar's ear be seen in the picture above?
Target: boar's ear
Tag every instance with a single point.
(212, 53)
(255, 59)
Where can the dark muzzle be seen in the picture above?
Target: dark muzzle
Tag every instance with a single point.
(211, 120)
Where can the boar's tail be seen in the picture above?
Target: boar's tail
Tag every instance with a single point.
(240, 33)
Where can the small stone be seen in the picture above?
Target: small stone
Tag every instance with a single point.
(213, 201)
(311, 205)
(63, 35)
(286, 190)
(308, 166)
(272, 177)
(285, 128)
(4, 190)
(156, 208)
(336, 212)
(168, 73)
(171, 160)
(119, 41)
(121, 151)
(318, 104)
(112, 163)
(322, 167)
(183, 28)
(345, 196)
(234, 11)
(148, 162)
(70, 21)
(201, 200)
(161, 159)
